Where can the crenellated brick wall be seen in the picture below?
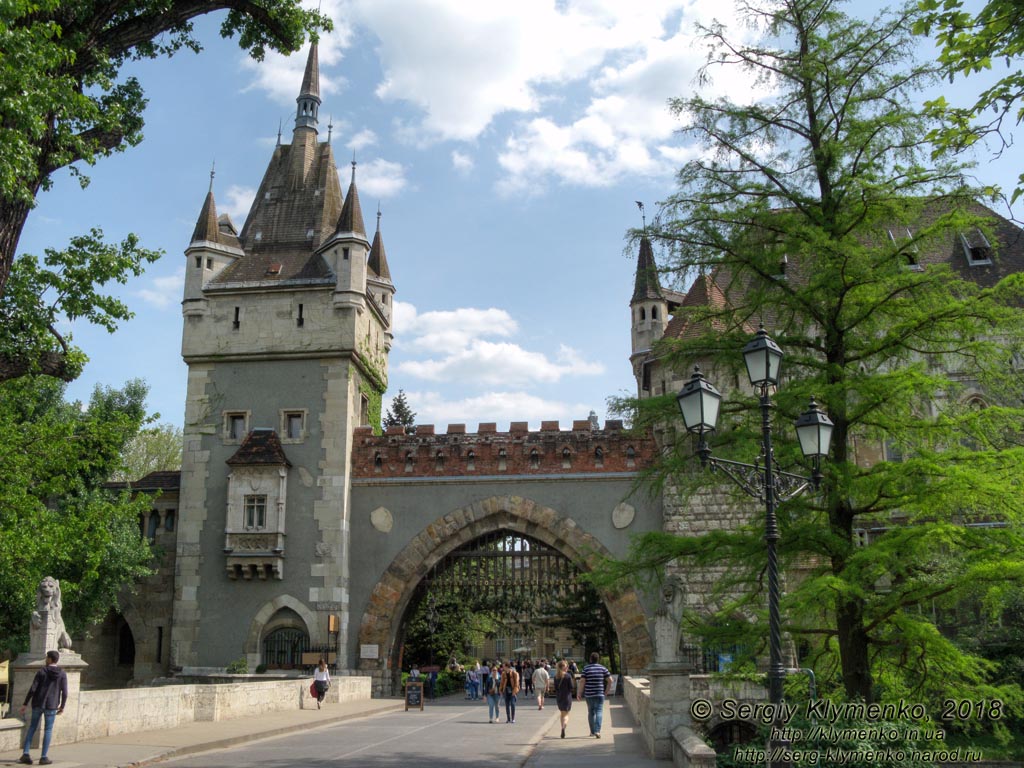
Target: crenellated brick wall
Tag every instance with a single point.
(457, 453)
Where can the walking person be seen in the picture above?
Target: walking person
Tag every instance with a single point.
(540, 684)
(321, 680)
(485, 676)
(565, 690)
(492, 690)
(597, 683)
(510, 688)
(49, 695)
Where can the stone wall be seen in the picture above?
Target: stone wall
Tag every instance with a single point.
(96, 714)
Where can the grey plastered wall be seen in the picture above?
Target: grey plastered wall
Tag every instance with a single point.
(414, 503)
(263, 388)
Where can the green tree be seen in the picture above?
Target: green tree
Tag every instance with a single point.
(786, 216)
(65, 101)
(970, 43)
(399, 413)
(152, 449)
(56, 519)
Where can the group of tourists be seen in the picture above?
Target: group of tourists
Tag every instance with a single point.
(501, 682)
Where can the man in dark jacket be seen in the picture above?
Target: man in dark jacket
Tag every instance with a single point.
(48, 694)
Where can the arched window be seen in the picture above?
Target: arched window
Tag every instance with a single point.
(534, 459)
(439, 461)
(643, 314)
(283, 647)
(654, 313)
(630, 456)
(378, 462)
(409, 461)
(566, 458)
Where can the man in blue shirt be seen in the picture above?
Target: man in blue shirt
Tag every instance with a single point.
(597, 681)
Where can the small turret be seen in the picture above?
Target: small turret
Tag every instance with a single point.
(378, 278)
(308, 100)
(346, 251)
(213, 247)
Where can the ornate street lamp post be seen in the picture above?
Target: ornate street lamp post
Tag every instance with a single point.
(699, 404)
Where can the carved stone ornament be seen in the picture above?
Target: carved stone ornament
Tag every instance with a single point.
(623, 515)
(382, 520)
(47, 630)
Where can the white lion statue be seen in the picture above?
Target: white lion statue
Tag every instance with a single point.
(47, 612)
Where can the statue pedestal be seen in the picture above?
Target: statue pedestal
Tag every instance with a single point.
(65, 729)
(670, 705)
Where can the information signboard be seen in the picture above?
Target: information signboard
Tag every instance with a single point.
(413, 695)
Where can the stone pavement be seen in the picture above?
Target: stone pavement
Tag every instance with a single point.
(620, 745)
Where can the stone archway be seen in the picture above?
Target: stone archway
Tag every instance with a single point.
(391, 595)
(266, 613)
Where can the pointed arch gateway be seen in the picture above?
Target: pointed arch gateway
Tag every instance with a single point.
(391, 596)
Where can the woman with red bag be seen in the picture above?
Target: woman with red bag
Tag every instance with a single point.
(321, 681)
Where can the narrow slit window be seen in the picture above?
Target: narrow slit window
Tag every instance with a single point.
(238, 318)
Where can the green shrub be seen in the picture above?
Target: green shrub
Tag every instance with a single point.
(239, 666)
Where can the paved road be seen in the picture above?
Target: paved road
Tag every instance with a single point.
(451, 732)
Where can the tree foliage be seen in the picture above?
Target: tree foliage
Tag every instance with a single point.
(808, 210)
(153, 449)
(64, 102)
(56, 519)
(970, 43)
(399, 413)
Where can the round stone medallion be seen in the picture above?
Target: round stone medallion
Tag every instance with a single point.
(382, 520)
(623, 515)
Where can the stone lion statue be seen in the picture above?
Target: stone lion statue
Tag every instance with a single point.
(48, 608)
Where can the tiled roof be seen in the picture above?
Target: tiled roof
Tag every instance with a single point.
(718, 290)
(647, 285)
(210, 228)
(162, 480)
(261, 446)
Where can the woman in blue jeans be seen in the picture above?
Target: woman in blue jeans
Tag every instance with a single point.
(493, 694)
(510, 687)
(48, 694)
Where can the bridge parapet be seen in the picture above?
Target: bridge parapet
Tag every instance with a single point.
(422, 452)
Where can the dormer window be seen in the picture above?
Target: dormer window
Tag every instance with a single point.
(976, 248)
(257, 236)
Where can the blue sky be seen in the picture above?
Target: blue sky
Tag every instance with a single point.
(506, 144)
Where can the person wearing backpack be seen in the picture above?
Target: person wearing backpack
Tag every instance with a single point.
(48, 694)
(510, 687)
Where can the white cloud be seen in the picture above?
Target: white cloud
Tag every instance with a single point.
(440, 331)
(462, 335)
(237, 203)
(362, 139)
(502, 407)
(164, 291)
(381, 178)
(461, 162)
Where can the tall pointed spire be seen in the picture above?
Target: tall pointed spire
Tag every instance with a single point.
(378, 261)
(351, 218)
(308, 100)
(647, 285)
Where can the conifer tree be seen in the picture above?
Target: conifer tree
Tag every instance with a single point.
(399, 413)
(789, 211)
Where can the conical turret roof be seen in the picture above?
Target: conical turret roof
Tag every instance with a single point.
(378, 261)
(311, 77)
(647, 285)
(351, 218)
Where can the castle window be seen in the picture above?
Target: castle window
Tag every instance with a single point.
(255, 512)
(599, 456)
(238, 318)
(199, 262)
(471, 460)
(439, 461)
(630, 456)
(169, 520)
(410, 460)
(257, 235)
(364, 410)
(154, 522)
(976, 248)
(534, 459)
(654, 313)
(378, 462)
(566, 458)
(236, 425)
(643, 313)
(209, 263)
(344, 253)
(300, 320)
(293, 426)
(502, 460)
